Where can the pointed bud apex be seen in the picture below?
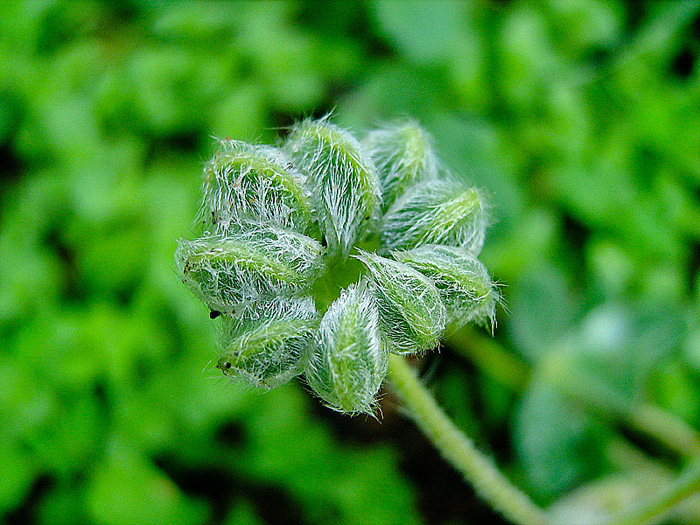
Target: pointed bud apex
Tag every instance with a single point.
(343, 183)
(436, 212)
(248, 185)
(411, 313)
(258, 264)
(403, 155)
(464, 284)
(265, 345)
(347, 367)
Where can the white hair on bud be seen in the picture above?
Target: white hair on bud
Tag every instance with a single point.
(265, 346)
(229, 272)
(464, 284)
(349, 363)
(403, 155)
(411, 313)
(342, 182)
(249, 185)
(436, 212)
(279, 226)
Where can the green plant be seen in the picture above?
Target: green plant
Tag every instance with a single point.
(332, 258)
(325, 255)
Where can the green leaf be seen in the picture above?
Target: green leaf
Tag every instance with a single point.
(19, 469)
(425, 30)
(544, 308)
(558, 445)
(624, 345)
(126, 486)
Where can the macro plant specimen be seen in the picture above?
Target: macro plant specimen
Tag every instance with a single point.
(331, 258)
(326, 255)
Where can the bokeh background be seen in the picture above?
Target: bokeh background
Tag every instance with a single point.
(581, 121)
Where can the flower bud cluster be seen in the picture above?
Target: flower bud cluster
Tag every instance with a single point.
(324, 255)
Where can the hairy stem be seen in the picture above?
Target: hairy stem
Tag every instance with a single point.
(459, 450)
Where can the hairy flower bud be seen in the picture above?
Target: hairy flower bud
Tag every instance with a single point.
(411, 313)
(349, 363)
(342, 182)
(248, 185)
(403, 155)
(227, 272)
(289, 304)
(265, 345)
(464, 284)
(436, 212)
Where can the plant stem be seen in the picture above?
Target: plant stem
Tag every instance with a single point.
(685, 485)
(657, 423)
(623, 456)
(587, 390)
(669, 429)
(459, 450)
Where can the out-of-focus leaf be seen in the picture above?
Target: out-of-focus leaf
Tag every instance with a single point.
(603, 499)
(392, 91)
(475, 151)
(126, 485)
(559, 445)
(19, 470)
(404, 23)
(622, 344)
(543, 308)
(243, 513)
(61, 504)
(674, 388)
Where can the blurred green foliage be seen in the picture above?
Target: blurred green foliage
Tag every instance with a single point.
(580, 119)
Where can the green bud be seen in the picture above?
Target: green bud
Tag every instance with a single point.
(248, 185)
(403, 155)
(343, 183)
(436, 212)
(464, 284)
(349, 363)
(265, 345)
(229, 272)
(411, 313)
(279, 227)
